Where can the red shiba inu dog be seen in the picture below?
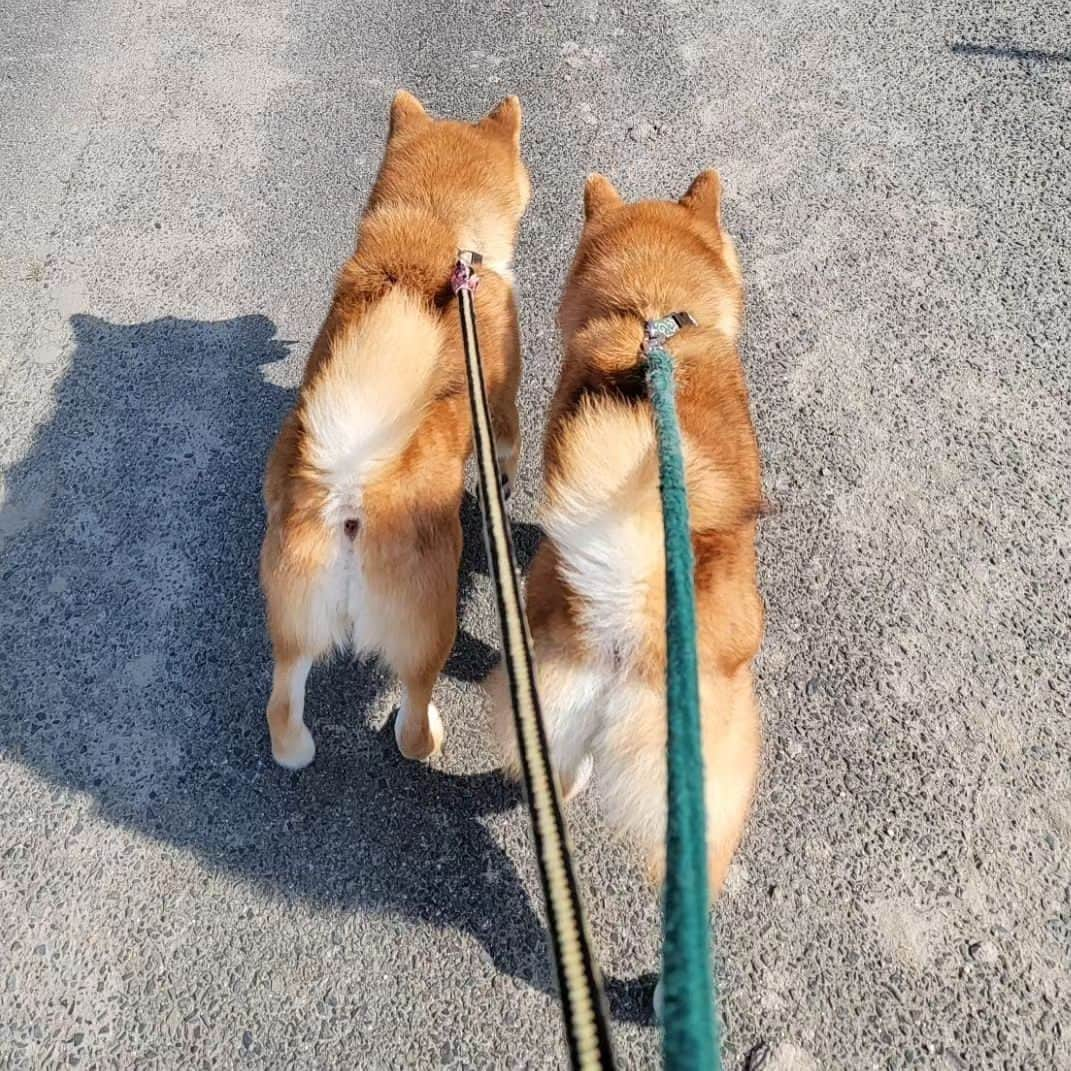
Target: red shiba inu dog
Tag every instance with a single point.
(596, 590)
(364, 485)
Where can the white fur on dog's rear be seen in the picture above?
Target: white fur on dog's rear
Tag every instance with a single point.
(360, 414)
(604, 517)
(369, 399)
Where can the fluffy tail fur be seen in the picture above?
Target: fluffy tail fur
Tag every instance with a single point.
(369, 398)
(602, 512)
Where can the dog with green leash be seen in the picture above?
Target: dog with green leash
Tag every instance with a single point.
(597, 601)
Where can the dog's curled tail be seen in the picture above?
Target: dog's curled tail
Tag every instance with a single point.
(602, 513)
(370, 395)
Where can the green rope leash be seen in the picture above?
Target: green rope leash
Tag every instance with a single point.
(690, 1025)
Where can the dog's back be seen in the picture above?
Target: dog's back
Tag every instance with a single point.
(637, 263)
(387, 360)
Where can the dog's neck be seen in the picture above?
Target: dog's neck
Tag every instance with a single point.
(492, 237)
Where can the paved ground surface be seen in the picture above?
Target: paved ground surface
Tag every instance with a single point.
(180, 182)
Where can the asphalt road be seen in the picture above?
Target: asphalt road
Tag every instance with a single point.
(180, 183)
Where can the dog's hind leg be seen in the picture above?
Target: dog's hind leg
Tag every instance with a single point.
(731, 759)
(418, 727)
(502, 400)
(291, 742)
(299, 625)
(507, 429)
(423, 623)
(631, 760)
(568, 692)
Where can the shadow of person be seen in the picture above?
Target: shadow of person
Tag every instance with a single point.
(135, 669)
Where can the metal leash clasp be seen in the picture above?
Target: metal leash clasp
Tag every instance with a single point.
(463, 277)
(657, 332)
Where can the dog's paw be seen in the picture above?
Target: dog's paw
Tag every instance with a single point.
(295, 751)
(418, 742)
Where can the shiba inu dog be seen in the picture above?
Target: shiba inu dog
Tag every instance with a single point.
(596, 598)
(364, 484)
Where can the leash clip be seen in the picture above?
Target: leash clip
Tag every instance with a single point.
(463, 277)
(657, 332)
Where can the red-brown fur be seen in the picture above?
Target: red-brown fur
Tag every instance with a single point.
(364, 538)
(596, 602)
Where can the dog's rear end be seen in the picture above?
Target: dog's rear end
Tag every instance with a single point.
(596, 599)
(364, 486)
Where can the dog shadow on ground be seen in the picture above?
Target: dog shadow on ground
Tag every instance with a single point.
(135, 667)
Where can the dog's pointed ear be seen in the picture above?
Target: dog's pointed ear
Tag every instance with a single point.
(599, 196)
(405, 112)
(704, 196)
(505, 119)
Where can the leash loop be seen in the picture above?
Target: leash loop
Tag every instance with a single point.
(579, 984)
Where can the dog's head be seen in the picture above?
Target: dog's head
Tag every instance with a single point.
(473, 168)
(652, 258)
(701, 204)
